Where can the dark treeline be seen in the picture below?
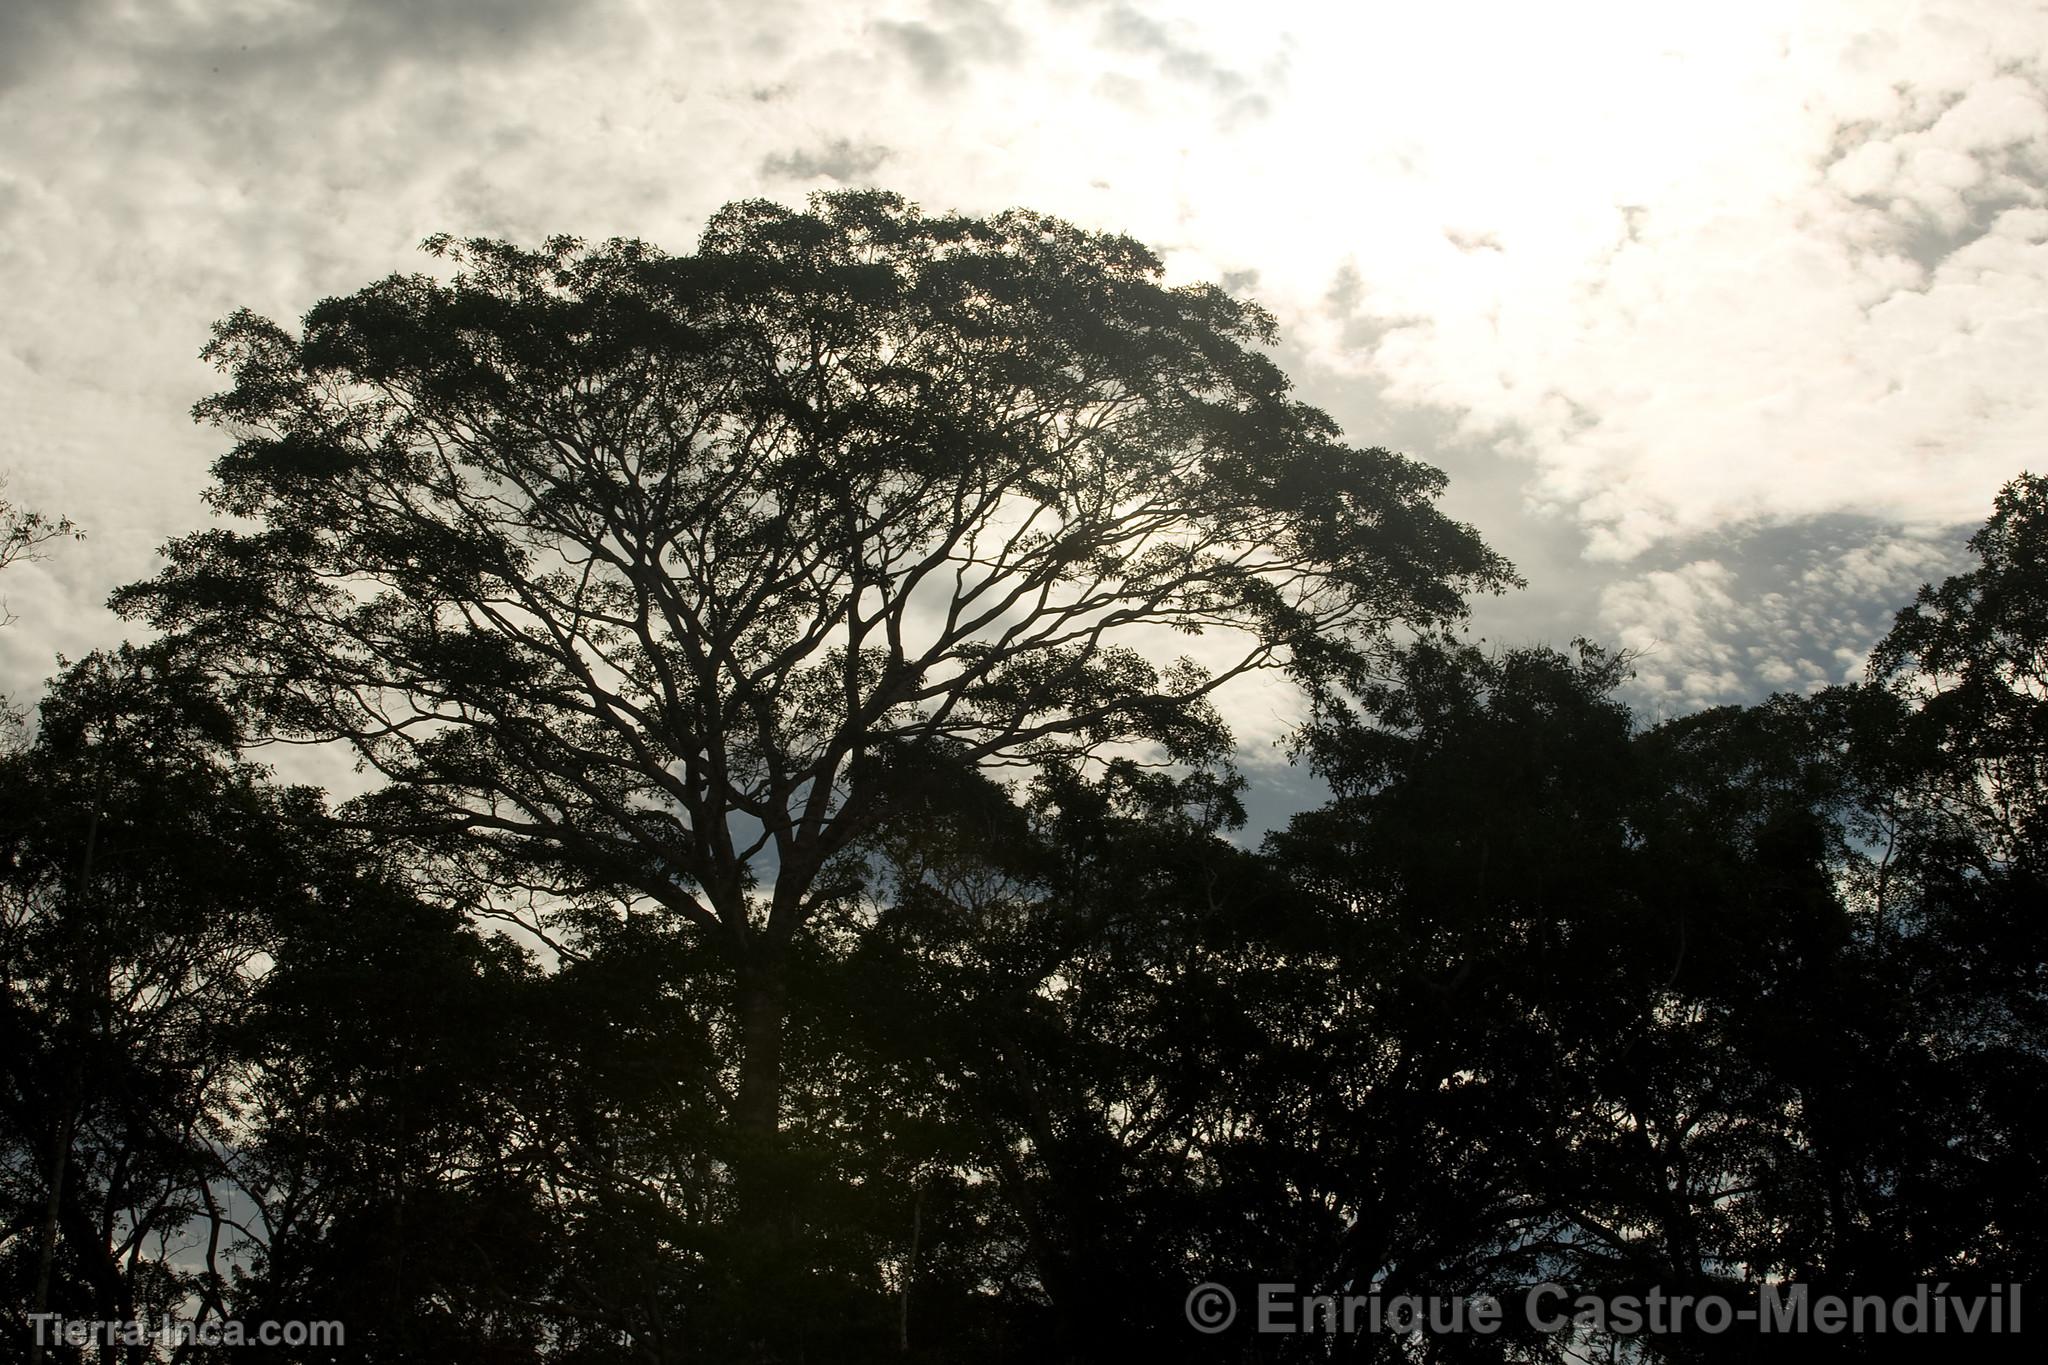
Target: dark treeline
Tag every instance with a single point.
(996, 1043)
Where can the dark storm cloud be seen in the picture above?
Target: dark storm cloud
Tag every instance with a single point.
(960, 34)
(29, 30)
(841, 159)
(352, 45)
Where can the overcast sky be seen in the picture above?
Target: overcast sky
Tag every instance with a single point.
(1726, 321)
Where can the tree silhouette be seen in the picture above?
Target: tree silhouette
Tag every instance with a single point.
(1972, 655)
(645, 580)
(142, 864)
(781, 640)
(23, 533)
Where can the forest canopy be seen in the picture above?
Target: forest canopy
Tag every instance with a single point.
(803, 911)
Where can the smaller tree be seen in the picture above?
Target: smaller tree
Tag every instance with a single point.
(1960, 773)
(23, 531)
(139, 866)
(398, 1127)
(1972, 655)
(22, 534)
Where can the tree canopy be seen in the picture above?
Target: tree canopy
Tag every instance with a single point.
(660, 581)
(606, 555)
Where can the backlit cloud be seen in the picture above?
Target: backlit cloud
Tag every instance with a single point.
(1666, 282)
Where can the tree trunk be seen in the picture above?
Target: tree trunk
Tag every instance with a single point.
(757, 1112)
(762, 1265)
(47, 1253)
(909, 1271)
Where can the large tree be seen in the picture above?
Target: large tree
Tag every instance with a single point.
(651, 583)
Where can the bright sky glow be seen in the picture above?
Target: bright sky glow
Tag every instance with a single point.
(1725, 321)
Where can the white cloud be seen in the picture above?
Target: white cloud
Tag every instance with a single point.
(1738, 280)
(1700, 276)
(1677, 623)
(1794, 621)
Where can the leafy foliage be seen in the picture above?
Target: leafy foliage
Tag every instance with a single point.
(807, 915)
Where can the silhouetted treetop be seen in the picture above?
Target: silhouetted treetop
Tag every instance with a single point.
(644, 580)
(681, 538)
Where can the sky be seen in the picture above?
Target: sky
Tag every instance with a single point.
(1727, 323)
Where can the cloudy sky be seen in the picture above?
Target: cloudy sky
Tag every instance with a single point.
(1727, 323)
